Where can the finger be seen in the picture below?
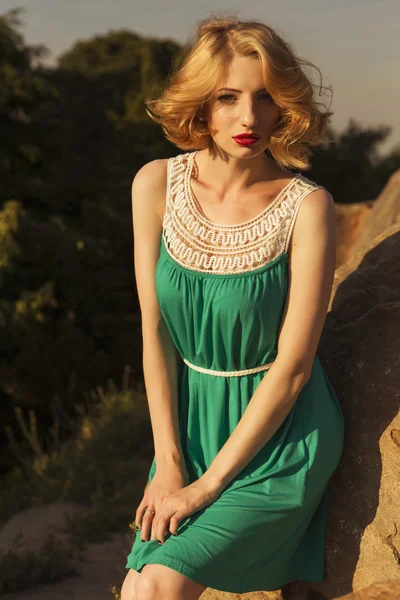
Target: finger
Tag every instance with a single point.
(142, 510)
(154, 528)
(160, 529)
(146, 525)
(139, 515)
(174, 523)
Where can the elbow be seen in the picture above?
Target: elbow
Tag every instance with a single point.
(299, 379)
(297, 374)
(305, 376)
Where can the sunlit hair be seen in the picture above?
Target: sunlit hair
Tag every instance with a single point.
(218, 39)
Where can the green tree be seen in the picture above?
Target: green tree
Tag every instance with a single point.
(21, 90)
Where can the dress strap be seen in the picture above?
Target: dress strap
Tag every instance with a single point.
(175, 172)
(307, 187)
(168, 194)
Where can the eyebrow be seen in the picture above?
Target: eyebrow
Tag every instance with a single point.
(234, 90)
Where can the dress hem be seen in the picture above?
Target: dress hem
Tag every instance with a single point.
(192, 573)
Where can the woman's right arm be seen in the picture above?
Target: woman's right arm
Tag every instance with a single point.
(160, 356)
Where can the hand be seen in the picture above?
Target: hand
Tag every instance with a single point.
(181, 504)
(166, 481)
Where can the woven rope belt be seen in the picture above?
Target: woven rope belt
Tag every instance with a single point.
(227, 373)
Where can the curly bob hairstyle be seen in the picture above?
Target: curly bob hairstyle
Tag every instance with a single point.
(218, 39)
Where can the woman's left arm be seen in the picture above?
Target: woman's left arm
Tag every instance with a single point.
(311, 271)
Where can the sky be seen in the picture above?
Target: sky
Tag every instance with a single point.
(354, 43)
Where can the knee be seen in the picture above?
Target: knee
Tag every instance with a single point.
(127, 593)
(147, 587)
(128, 586)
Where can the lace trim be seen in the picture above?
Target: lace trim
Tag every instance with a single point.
(197, 243)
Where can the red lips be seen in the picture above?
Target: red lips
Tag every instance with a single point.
(246, 139)
(246, 136)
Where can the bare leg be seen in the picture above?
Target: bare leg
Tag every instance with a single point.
(128, 586)
(160, 581)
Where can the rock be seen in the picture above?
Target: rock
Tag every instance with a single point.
(386, 590)
(359, 349)
(350, 221)
(210, 594)
(385, 212)
(379, 268)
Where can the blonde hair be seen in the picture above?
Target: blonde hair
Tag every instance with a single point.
(302, 123)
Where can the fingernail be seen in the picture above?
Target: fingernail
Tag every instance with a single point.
(160, 543)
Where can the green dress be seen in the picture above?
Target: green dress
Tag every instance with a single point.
(221, 290)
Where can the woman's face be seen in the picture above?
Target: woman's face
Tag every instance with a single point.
(248, 109)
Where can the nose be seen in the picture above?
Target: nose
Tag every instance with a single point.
(248, 112)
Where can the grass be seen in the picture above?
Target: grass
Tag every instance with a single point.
(104, 467)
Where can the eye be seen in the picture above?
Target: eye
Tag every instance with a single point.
(269, 97)
(226, 97)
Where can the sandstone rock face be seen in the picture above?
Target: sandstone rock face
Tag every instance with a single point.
(385, 212)
(351, 217)
(210, 594)
(360, 351)
(374, 265)
(387, 590)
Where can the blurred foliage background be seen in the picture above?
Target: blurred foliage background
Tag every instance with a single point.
(72, 139)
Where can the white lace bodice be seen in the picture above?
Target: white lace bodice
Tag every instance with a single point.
(197, 243)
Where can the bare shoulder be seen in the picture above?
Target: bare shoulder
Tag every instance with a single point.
(148, 193)
(316, 217)
(149, 186)
(316, 205)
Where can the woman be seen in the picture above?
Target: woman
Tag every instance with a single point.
(234, 264)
